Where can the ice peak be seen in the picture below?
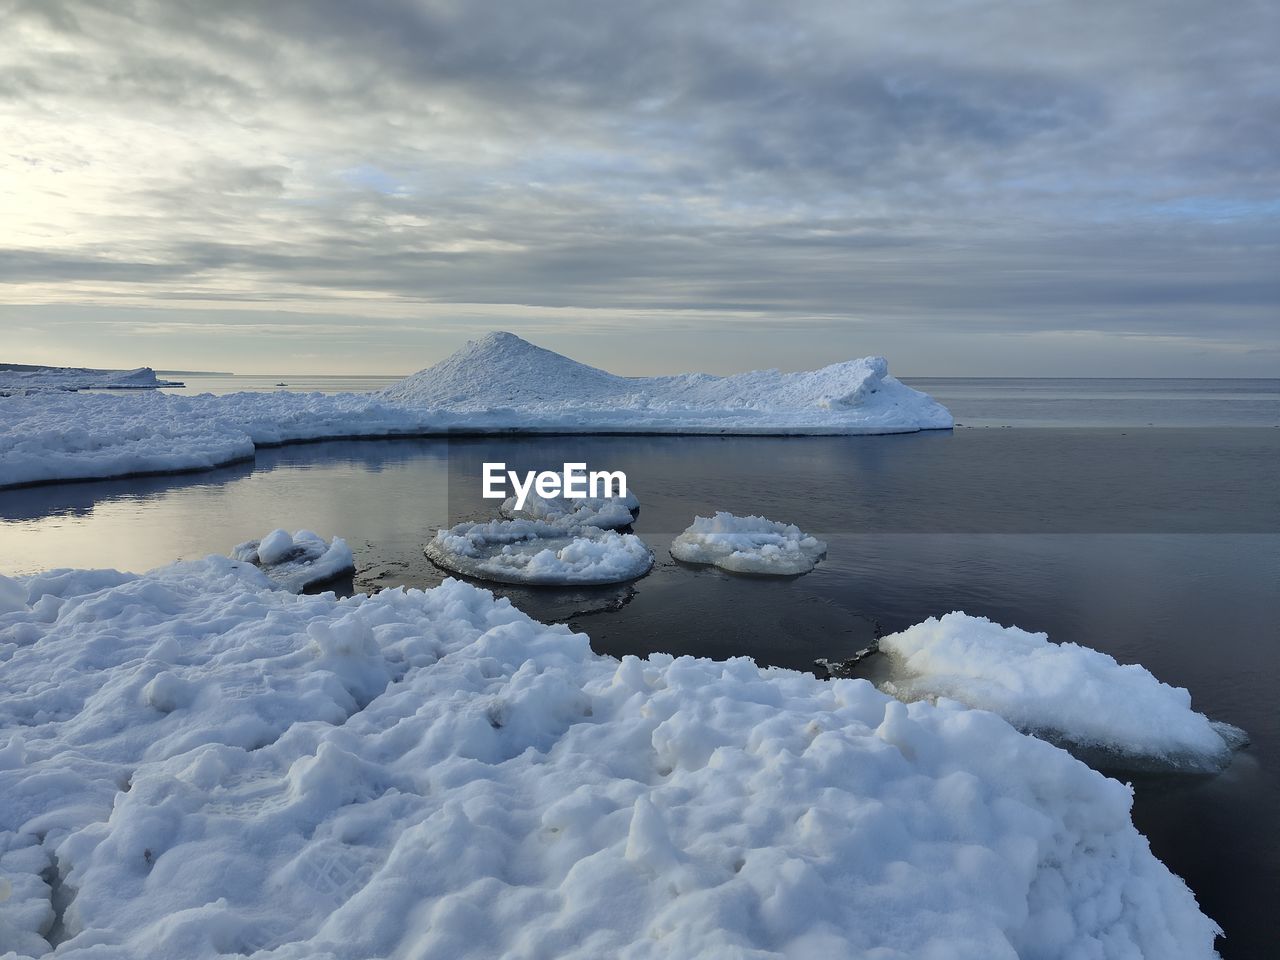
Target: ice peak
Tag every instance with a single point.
(502, 369)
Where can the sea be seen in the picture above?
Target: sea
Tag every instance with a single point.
(1139, 517)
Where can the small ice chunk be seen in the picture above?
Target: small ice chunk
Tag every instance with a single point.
(748, 545)
(1062, 692)
(298, 561)
(274, 547)
(540, 552)
(607, 513)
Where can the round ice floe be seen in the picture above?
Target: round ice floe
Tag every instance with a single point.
(297, 561)
(748, 545)
(1074, 695)
(607, 513)
(539, 552)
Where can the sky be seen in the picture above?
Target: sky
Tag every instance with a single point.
(1023, 188)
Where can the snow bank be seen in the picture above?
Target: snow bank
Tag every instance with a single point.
(748, 545)
(21, 380)
(297, 561)
(607, 513)
(203, 764)
(494, 385)
(1065, 692)
(540, 552)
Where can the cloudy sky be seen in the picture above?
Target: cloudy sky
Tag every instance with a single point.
(970, 188)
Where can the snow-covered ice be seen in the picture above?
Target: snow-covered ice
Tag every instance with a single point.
(297, 561)
(748, 545)
(41, 379)
(608, 513)
(498, 384)
(202, 764)
(1065, 692)
(856, 396)
(540, 552)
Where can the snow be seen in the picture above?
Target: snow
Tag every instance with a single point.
(498, 384)
(539, 386)
(297, 561)
(608, 513)
(21, 380)
(540, 552)
(1065, 692)
(202, 764)
(748, 545)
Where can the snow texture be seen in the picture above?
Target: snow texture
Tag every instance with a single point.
(42, 379)
(608, 513)
(540, 552)
(497, 384)
(1065, 692)
(196, 764)
(748, 545)
(298, 561)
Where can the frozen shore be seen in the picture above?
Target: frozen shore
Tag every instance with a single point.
(196, 761)
(498, 384)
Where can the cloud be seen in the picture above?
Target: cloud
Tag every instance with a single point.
(944, 167)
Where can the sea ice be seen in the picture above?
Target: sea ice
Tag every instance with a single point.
(540, 552)
(16, 379)
(607, 513)
(1065, 692)
(498, 384)
(748, 545)
(298, 561)
(199, 764)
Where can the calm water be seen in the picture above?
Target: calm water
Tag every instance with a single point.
(1159, 546)
(233, 383)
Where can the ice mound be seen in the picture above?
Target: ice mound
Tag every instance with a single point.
(607, 513)
(498, 384)
(748, 545)
(209, 766)
(500, 370)
(298, 561)
(503, 370)
(1064, 692)
(540, 552)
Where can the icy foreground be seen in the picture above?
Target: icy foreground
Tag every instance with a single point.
(1065, 692)
(43, 379)
(203, 764)
(540, 552)
(499, 383)
(748, 545)
(297, 561)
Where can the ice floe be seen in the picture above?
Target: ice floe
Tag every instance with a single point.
(540, 552)
(748, 545)
(1065, 692)
(498, 384)
(297, 561)
(18, 379)
(199, 764)
(608, 513)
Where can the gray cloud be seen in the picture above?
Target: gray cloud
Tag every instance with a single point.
(897, 171)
